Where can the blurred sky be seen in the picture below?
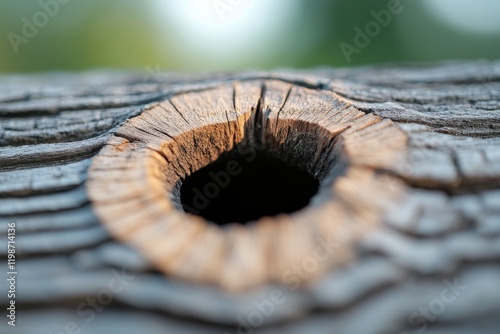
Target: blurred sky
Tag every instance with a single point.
(209, 35)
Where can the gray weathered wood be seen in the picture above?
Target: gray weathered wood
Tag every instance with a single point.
(89, 161)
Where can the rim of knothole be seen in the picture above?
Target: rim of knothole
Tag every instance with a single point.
(135, 182)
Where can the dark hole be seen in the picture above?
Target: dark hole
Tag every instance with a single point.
(244, 186)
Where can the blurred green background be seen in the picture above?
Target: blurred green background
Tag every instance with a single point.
(209, 35)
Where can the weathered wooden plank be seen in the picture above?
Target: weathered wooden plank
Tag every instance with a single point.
(408, 159)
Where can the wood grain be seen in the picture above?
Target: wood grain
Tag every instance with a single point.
(408, 160)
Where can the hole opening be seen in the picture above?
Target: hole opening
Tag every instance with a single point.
(245, 184)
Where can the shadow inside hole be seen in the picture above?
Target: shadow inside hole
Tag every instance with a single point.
(245, 187)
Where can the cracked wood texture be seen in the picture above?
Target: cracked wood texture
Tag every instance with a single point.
(407, 217)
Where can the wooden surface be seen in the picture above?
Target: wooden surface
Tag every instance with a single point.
(408, 160)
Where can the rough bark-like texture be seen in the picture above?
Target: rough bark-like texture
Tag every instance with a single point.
(408, 160)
